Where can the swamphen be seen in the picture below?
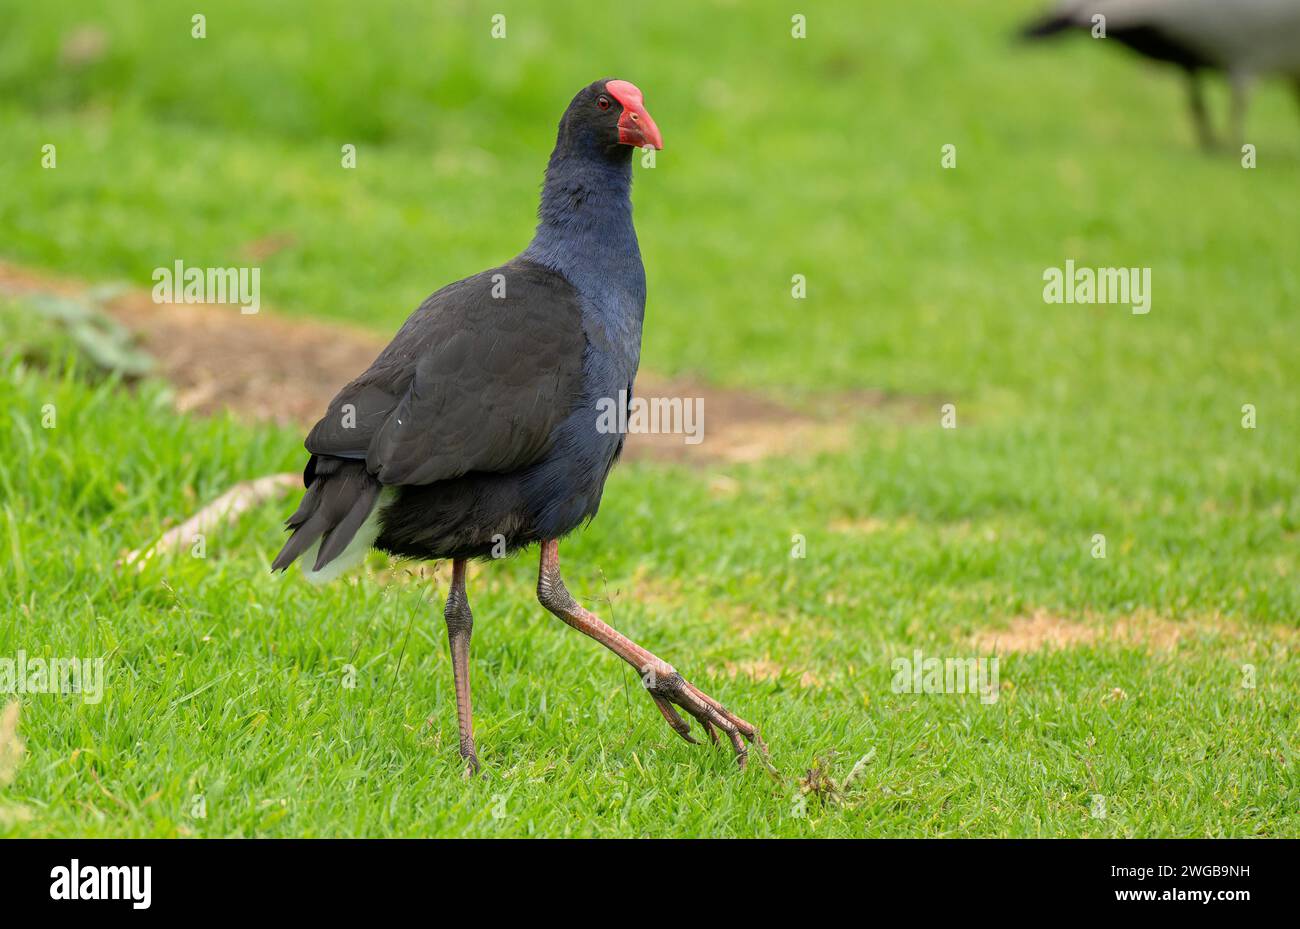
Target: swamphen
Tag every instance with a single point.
(1243, 38)
(475, 432)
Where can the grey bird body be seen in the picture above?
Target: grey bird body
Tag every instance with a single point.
(1243, 39)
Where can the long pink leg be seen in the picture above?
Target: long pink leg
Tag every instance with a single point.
(460, 623)
(661, 679)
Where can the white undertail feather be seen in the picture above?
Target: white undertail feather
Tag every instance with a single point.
(355, 553)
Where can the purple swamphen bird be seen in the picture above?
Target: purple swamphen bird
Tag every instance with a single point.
(475, 432)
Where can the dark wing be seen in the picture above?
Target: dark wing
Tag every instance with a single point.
(472, 382)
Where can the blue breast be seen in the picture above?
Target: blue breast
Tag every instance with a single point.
(585, 232)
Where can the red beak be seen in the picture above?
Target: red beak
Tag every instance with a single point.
(635, 127)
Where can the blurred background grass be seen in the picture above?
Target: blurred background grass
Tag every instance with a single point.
(818, 157)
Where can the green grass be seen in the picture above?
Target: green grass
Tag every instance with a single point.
(818, 157)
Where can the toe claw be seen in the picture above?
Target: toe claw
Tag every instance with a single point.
(713, 733)
(674, 720)
(742, 751)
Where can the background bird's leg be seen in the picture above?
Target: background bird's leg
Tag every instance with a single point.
(1240, 100)
(1200, 113)
(661, 679)
(460, 623)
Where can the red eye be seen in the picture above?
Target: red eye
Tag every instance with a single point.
(603, 102)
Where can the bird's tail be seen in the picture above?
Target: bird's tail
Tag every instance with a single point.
(1049, 25)
(341, 499)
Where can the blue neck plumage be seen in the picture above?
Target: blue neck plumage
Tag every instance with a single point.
(585, 230)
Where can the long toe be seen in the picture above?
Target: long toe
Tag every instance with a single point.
(709, 713)
(671, 716)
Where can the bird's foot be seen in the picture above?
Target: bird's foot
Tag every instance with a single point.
(667, 689)
(470, 757)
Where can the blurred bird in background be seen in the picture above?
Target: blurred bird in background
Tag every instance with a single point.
(1243, 39)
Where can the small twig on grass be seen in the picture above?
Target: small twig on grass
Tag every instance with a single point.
(225, 509)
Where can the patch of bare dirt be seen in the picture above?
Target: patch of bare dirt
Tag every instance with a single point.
(1034, 633)
(12, 751)
(738, 426)
(764, 670)
(270, 368)
(869, 525)
(1042, 630)
(258, 366)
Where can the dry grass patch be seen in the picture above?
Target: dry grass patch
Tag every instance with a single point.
(1042, 630)
(12, 751)
(765, 669)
